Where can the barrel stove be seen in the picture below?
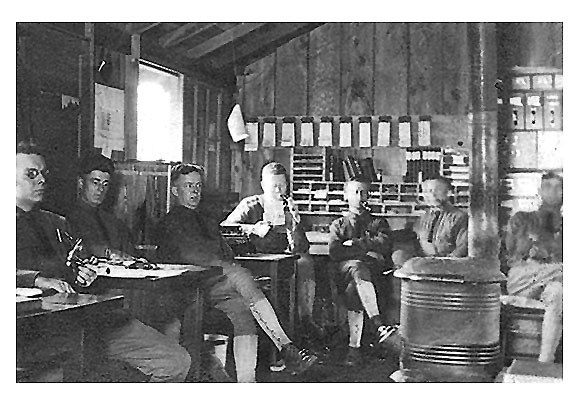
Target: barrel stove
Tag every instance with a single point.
(450, 319)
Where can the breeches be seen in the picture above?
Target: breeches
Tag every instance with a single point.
(148, 350)
(541, 281)
(350, 272)
(233, 294)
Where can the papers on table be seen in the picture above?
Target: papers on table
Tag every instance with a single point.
(28, 292)
(164, 270)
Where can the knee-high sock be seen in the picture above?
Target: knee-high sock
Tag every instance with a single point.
(552, 327)
(368, 297)
(356, 320)
(266, 318)
(245, 350)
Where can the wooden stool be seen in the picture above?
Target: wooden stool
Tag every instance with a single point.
(521, 322)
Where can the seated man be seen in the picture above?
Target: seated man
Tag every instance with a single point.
(41, 261)
(361, 245)
(535, 256)
(442, 230)
(185, 237)
(102, 233)
(273, 225)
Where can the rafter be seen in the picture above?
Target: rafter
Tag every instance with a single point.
(226, 38)
(261, 43)
(141, 27)
(183, 33)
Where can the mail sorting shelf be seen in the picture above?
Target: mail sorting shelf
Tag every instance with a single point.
(385, 199)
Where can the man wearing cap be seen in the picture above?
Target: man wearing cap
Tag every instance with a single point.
(184, 236)
(273, 224)
(102, 233)
(41, 262)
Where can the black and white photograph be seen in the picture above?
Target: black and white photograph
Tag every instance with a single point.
(290, 202)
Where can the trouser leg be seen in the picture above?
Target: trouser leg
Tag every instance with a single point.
(149, 351)
(355, 320)
(552, 321)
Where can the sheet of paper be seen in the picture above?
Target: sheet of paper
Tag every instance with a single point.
(326, 134)
(424, 133)
(269, 135)
(307, 134)
(404, 134)
(384, 134)
(251, 142)
(108, 119)
(288, 134)
(345, 134)
(274, 213)
(364, 134)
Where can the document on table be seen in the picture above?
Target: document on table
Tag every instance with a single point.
(164, 270)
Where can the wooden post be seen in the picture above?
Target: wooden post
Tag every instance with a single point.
(86, 94)
(131, 99)
(484, 185)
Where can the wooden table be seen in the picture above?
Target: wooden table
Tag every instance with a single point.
(62, 328)
(278, 267)
(141, 298)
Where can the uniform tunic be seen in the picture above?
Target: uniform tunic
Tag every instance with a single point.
(251, 210)
(446, 229)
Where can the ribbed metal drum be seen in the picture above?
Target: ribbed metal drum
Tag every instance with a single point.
(450, 319)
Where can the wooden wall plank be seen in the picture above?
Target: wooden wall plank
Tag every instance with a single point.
(324, 70)
(259, 91)
(357, 68)
(391, 60)
(201, 125)
(291, 77)
(188, 120)
(425, 69)
(455, 65)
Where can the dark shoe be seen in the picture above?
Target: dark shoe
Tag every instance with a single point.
(297, 361)
(353, 357)
(385, 331)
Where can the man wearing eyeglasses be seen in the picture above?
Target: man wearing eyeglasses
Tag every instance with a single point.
(40, 262)
(184, 236)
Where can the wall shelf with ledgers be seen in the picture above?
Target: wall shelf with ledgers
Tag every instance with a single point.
(316, 196)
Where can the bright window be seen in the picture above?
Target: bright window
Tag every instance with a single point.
(159, 125)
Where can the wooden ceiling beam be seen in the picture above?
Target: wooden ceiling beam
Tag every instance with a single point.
(260, 44)
(183, 33)
(226, 38)
(141, 27)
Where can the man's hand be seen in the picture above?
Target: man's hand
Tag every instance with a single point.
(428, 248)
(53, 284)
(86, 274)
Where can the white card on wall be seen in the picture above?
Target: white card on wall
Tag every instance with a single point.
(288, 134)
(251, 142)
(404, 134)
(326, 134)
(345, 134)
(269, 135)
(384, 134)
(307, 134)
(364, 134)
(424, 133)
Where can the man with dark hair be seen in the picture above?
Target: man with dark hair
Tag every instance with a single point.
(102, 233)
(442, 229)
(41, 262)
(361, 245)
(273, 224)
(535, 256)
(185, 237)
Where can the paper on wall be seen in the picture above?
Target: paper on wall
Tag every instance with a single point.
(108, 119)
(364, 134)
